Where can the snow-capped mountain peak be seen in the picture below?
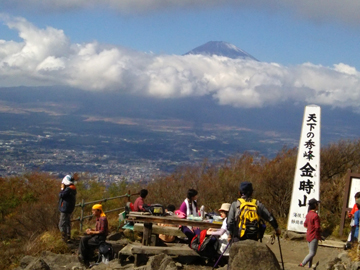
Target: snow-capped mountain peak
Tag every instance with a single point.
(221, 48)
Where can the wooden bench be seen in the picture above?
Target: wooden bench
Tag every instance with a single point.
(140, 252)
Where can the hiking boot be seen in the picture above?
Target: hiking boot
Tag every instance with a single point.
(347, 246)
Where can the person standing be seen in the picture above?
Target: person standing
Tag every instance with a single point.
(94, 237)
(140, 201)
(67, 200)
(312, 223)
(351, 215)
(245, 191)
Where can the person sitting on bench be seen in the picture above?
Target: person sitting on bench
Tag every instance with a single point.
(94, 237)
(169, 211)
(139, 202)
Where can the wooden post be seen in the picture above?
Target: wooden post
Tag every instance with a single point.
(81, 214)
(147, 234)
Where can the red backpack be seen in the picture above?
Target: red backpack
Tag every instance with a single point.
(199, 242)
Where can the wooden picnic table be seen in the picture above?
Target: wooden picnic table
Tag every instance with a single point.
(149, 220)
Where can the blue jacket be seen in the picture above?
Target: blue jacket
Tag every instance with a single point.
(67, 199)
(356, 219)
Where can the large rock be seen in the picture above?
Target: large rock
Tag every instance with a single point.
(250, 255)
(49, 260)
(294, 235)
(161, 262)
(38, 264)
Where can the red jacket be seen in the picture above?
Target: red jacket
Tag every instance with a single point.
(102, 225)
(312, 223)
(138, 204)
(353, 210)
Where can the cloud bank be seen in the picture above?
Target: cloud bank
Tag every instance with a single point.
(47, 57)
(319, 10)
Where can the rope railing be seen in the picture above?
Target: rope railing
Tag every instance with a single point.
(83, 204)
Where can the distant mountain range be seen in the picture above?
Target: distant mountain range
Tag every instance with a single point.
(221, 48)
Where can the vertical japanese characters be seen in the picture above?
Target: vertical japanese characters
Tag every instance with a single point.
(307, 172)
(306, 180)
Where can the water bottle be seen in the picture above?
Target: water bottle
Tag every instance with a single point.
(202, 212)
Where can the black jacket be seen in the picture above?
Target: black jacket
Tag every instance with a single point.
(67, 199)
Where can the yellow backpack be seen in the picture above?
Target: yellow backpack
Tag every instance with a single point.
(249, 220)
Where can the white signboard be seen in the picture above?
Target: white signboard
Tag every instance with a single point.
(307, 173)
(355, 187)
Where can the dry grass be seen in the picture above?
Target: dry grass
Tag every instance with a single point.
(12, 251)
(48, 241)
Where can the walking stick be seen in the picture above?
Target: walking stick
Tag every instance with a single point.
(282, 261)
(220, 256)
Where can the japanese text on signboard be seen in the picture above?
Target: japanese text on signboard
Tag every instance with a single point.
(307, 171)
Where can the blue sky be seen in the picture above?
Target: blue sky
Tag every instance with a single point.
(305, 47)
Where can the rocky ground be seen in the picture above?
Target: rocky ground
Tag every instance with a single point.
(293, 252)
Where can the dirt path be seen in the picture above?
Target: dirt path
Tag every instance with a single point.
(295, 251)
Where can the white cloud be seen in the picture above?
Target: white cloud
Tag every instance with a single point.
(319, 10)
(46, 57)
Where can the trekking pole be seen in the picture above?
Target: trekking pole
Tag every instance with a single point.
(220, 256)
(282, 261)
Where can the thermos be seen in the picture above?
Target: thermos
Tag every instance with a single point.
(202, 212)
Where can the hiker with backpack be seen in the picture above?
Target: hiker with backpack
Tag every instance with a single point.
(246, 215)
(94, 237)
(67, 200)
(222, 233)
(213, 243)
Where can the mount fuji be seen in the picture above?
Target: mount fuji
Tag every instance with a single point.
(221, 48)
